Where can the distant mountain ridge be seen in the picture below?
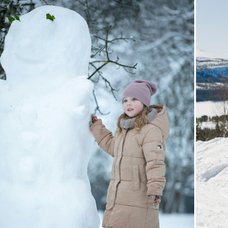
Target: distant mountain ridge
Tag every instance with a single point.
(211, 62)
(211, 79)
(211, 70)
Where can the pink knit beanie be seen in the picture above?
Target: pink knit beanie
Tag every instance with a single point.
(141, 90)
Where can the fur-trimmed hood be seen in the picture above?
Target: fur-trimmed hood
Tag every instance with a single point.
(157, 116)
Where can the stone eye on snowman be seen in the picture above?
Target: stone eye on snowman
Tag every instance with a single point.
(45, 107)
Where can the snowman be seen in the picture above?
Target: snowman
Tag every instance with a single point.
(45, 107)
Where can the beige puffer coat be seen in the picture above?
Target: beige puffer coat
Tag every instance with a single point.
(138, 172)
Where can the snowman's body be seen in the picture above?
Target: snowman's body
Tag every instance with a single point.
(45, 142)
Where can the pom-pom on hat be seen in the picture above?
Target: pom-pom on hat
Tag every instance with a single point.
(142, 90)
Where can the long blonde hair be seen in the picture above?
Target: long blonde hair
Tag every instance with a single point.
(140, 119)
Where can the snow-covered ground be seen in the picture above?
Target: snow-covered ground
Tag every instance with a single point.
(211, 173)
(208, 124)
(212, 183)
(210, 108)
(176, 221)
(172, 220)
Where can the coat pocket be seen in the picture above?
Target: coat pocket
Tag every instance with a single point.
(111, 194)
(136, 178)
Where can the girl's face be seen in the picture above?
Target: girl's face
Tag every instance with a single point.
(132, 107)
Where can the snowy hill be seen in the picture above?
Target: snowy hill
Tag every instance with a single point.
(211, 183)
(211, 62)
(206, 59)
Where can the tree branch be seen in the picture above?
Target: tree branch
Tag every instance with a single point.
(105, 49)
(97, 105)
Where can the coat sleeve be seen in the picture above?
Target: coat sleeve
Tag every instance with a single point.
(103, 137)
(153, 150)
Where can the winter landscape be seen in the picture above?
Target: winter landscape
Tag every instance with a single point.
(212, 79)
(41, 158)
(211, 146)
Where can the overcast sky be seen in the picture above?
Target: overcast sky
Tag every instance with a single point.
(212, 27)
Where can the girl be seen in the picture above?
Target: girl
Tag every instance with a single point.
(138, 171)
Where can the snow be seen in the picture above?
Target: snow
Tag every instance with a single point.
(176, 220)
(210, 108)
(209, 85)
(208, 124)
(211, 183)
(45, 108)
(205, 59)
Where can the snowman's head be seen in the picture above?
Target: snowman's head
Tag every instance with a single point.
(37, 47)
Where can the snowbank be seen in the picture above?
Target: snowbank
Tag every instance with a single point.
(211, 183)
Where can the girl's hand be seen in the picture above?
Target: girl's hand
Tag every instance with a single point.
(157, 200)
(94, 118)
